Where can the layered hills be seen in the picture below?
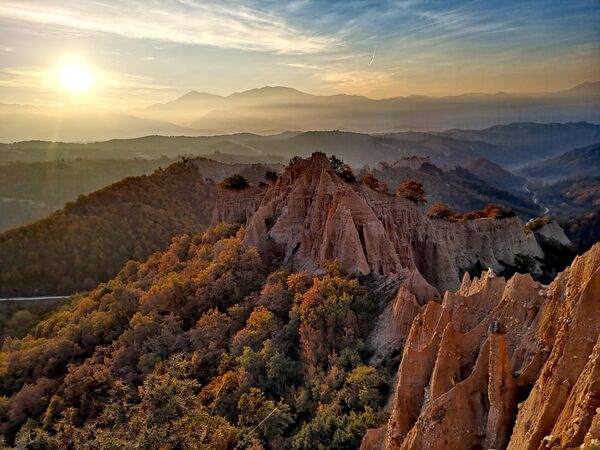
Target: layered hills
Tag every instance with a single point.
(526, 142)
(268, 110)
(512, 145)
(579, 162)
(90, 239)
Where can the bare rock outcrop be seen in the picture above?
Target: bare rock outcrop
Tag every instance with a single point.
(560, 409)
(313, 215)
(237, 206)
(554, 231)
(502, 364)
(396, 319)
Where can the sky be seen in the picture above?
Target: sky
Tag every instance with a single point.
(140, 52)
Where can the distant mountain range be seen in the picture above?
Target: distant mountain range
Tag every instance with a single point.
(523, 142)
(512, 145)
(580, 162)
(271, 110)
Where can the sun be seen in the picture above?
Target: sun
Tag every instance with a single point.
(75, 78)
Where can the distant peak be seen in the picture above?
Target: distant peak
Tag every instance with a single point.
(270, 90)
(196, 95)
(587, 87)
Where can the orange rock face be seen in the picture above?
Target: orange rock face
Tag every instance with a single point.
(312, 215)
(503, 365)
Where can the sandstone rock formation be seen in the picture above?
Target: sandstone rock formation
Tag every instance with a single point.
(554, 231)
(312, 215)
(502, 365)
(237, 206)
(396, 319)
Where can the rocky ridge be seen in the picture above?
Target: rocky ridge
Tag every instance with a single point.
(311, 215)
(501, 364)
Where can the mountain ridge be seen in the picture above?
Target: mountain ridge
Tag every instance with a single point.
(254, 109)
(585, 86)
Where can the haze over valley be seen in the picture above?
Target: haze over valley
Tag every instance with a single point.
(272, 110)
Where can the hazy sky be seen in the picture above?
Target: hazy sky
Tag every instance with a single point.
(143, 51)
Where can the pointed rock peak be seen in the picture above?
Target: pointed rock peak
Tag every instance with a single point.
(465, 284)
(310, 167)
(319, 162)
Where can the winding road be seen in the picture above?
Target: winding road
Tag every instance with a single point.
(29, 299)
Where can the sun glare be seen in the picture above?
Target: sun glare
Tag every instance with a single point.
(75, 78)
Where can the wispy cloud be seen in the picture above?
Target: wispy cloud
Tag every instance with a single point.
(302, 66)
(361, 82)
(323, 46)
(110, 88)
(211, 22)
(24, 77)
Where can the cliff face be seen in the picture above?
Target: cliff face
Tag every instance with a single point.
(313, 215)
(236, 206)
(502, 365)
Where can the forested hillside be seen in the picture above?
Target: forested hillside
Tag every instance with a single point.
(573, 196)
(89, 240)
(30, 191)
(197, 348)
(580, 162)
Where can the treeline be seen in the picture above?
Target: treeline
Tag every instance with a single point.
(202, 346)
(89, 240)
(61, 181)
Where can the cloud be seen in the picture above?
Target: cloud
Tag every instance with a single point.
(360, 82)
(302, 66)
(202, 22)
(24, 77)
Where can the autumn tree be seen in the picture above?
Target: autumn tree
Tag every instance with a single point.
(198, 347)
(373, 182)
(263, 418)
(441, 211)
(332, 317)
(412, 190)
(497, 212)
(341, 168)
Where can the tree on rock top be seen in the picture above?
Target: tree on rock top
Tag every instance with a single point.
(413, 191)
(374, 183)
(441, 211)
(341, 168)
(234, 182)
